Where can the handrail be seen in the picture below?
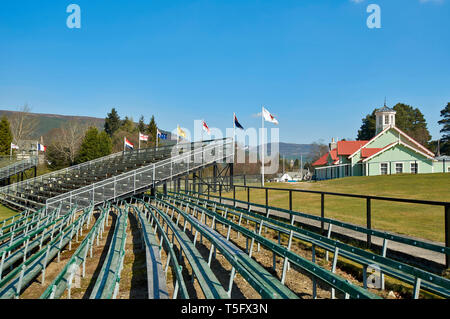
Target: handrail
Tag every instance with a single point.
(112, 181)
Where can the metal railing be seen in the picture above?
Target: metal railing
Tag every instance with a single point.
(204, 153)
(18, 167)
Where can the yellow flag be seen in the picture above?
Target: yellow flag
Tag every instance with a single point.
(181, 132)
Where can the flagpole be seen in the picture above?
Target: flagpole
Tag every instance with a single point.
(234, 135)
(124, 144)
(139, 143)
(262, 146)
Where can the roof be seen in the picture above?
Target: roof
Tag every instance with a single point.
(349, 147)
(367, 152)
(321, 161)
(398, 143)
(385, 109)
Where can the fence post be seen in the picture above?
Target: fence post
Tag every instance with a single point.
(220, 193)
(447, 234)
(322, 212)
(369, 221)
(248, 198)
(234, 195)
(290, 200)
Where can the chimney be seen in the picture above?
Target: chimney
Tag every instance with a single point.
(333, 144)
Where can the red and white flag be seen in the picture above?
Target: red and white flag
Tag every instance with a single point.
(14, 146)
(143, 137)
(206, 128)
(268, 117)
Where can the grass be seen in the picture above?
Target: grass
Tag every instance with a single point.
(5, 212)
(423, 221)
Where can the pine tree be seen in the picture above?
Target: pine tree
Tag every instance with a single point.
(112, 122)
(141, 125)
(152, 130)
(408, 119)
(128, 125)
(445, 122)
(5, 136)
(104, 144)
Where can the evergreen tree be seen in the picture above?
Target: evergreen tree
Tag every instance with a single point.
(5, 136)
(112, 122)
(410, 120)
(128, 125)
(445, 122)
(152, 130)
(55, 158)
(104, 144)
(94, 145)
(141, 125)
(368, 128)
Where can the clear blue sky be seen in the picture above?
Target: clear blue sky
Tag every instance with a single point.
(314, 64)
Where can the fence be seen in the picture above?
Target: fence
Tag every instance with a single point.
(368, 207)
(381, 168)
(204, 154)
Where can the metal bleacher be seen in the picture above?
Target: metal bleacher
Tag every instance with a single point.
(112, 176)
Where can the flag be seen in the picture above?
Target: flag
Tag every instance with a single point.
(143, 137)
(162, 136)
(14, 146)
(236, 123)
(128, 144)
(268, 117)
(206, 128)
(181, 132)
(41, 147)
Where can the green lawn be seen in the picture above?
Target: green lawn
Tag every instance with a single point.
(5, 212)
(411, 219)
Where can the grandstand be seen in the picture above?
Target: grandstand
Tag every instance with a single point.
(212, 249)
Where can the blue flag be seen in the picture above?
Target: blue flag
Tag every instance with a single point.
(238, 125)
(162, 136)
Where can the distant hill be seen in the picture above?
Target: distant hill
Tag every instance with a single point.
(47, 122)
(290, 150)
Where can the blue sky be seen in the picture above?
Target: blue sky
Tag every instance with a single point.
(314, 64)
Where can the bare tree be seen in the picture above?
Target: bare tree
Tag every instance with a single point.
(67, 139)
(23, 124)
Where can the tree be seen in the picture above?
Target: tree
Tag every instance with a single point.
(5, 136)
(141, 125)
(445, 122)
(318, 150)
(152, 130)
(128, 125)
(94, 145)
(23, 124)
(408, 119)
(368, 128)
(112, 122)
(65, 143)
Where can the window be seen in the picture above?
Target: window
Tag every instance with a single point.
(414, 168)
(384, 168)
(386, 119)
(398, 168)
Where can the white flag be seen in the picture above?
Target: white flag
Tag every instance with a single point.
(268, 117)
(14, 146)
(206, 128)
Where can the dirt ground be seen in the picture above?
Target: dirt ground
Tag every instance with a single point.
(133, 283)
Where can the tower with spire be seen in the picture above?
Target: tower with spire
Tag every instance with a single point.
(385, 117)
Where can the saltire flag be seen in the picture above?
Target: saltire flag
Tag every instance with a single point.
(41, 147)
(14, 146)
(128, 144)
(181, 132)
(236, 123)
(162, 136)
(206, 128)
(143, 137)
(268, 117)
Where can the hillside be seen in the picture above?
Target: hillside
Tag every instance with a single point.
(290, 150)
(47, 122)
